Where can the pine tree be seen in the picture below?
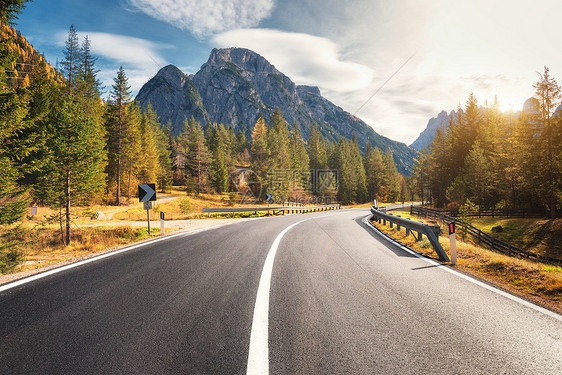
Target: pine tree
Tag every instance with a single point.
(70, 65)
(540, 143)
(375, 174)
(317, 149)
(197, 159)
(260, 150)
(116, 125)
(74, 153)
(9, 9)
(88, 85)
(149, 160)
(278, 142)
(164, 142)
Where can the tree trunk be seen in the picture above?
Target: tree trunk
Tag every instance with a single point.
(67, 207)
(119, 135)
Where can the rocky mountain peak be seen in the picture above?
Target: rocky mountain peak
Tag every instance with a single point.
(245, 59)
(172, 75)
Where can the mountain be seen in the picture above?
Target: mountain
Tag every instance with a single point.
(235, 86)
(426, 137)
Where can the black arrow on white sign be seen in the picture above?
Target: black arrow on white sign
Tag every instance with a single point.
(147, 192)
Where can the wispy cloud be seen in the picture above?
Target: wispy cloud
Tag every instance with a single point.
(140, 58)
(306, 59)
(205, 18)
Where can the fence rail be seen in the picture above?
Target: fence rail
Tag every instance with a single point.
(481, 237)
(504, 212)
(274, 209)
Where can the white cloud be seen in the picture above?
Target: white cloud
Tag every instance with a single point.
(204, 18)
(140, 58)
(304, 58)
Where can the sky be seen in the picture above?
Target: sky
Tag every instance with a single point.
(392, 63)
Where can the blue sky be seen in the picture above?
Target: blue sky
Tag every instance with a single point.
(347, 48)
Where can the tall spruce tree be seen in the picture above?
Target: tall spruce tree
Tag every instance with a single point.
(71, 176)
(70, 65)
(198, 158)
(116, 125)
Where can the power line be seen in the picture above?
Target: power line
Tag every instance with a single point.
(385, 82)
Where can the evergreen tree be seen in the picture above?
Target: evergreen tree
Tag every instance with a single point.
(375, 173)
(220, 147)
(421, 175)
(148, 162)
(392, 178)
(70, 65)
(278, 142)
(540, 141)
(197, 159)
(163, 140)
(317, 148)
(116, 125)
(72, 175)
(260, 150)
(88, 85)
(9, 10)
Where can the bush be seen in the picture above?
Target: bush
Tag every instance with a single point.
(185, 205)
(10, 255)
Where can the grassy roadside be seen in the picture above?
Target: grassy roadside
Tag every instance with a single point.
(40, 247)
(535, 281)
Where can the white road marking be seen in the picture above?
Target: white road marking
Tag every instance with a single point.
(95, 259)
(443, 267)
(258, 356)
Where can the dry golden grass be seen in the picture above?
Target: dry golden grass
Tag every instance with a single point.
(535, 281)
(43, 246)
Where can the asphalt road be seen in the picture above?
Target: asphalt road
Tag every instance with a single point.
(341, 301)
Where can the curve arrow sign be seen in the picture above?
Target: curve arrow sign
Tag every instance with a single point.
(147, 192)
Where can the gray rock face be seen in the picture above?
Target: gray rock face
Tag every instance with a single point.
(235, 86)
(426, 137)
(174, 97)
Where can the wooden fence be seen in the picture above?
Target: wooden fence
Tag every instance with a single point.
(481, 237)
(504, 212)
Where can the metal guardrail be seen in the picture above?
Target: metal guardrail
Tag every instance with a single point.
(482, 237)
(431, 231)
(503, 212)
(283, 209)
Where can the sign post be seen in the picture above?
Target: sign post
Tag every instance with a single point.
(147, 195)
(453, 243)
(162, 230)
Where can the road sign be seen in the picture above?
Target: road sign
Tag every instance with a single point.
(161, 215)
(147, 192)
(148, 205)
(452, 228)
(268, 197)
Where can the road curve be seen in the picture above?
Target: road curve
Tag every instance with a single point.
(341, 301)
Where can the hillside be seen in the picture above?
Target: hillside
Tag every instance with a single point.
(28, 59)
(235, 86)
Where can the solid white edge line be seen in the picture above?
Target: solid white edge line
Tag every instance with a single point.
(41, 275)
(258, 355)
(444, 267)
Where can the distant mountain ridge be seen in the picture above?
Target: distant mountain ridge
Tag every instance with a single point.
(235, 86)
(443, 120)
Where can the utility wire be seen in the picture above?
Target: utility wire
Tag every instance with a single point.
(384, 84)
